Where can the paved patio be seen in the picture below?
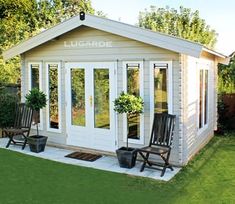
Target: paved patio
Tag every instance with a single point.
(106, 163)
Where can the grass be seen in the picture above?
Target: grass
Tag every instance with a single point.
(209, 178)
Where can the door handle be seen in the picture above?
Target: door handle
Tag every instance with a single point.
(90, 100)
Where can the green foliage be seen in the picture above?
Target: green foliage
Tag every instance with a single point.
(183, 23)
(17, 22)
(226, 80)
(223, 119)
(127, 103)
(7, 107)
(10, 70)
(21, 19)
(36, 99)
(51, 12)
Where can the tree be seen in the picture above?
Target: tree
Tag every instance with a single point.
(52, 12)
(21, 19)
(226, 79)
(183, 23)
(17, 22)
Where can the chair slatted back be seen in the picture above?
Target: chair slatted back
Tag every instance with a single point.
(23, 116)
(162, 130)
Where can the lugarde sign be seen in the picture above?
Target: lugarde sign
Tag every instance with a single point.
(87, 43)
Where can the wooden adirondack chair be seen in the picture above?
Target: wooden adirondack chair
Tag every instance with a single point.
(160, 142)
(19, 133)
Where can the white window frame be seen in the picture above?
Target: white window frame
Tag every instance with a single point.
(48, 95)
(40, 125)
(203, 66)
(141, 74)
(169, 88)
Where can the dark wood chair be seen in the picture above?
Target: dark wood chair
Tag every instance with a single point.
(160, 142)
(19, 133)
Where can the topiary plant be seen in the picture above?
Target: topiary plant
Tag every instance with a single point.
(129, 104)
(36, 100)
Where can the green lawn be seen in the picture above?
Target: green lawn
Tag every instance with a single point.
(209, 178)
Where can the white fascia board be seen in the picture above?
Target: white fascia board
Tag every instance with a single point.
(43, 37)
(221, 58)
(214, 53)
(224, 61)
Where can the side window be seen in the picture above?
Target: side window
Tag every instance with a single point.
(133, 84)
(35, 81)
(203, 98)
(53, 94)
(160, 87)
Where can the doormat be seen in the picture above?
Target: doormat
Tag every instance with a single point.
(84, 156)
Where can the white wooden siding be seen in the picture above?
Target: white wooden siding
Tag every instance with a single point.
(193, 139)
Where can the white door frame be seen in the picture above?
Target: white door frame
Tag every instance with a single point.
(94, 138)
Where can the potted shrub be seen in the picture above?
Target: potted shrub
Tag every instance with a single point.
(36, 100)
(129, 104)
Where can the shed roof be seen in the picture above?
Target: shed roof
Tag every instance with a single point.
(158, 39)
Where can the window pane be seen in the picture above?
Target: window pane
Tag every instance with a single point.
(101, 98)
(133, 82)
(53, 96)
(78, 110)
(34, 76)
(160, 90)
(133, 126)
(133, 87)
(200, 98)
(206, 97)
(35, 80)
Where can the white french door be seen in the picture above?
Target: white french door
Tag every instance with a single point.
(90, 92)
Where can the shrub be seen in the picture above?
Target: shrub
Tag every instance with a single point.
(7, 107)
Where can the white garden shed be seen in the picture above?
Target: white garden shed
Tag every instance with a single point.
(84, 64)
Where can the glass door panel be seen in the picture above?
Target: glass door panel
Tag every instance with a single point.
(101, 99)
(78, 105)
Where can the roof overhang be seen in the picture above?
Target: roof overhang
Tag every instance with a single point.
(221, 58)
(168, 42)
(232, 54)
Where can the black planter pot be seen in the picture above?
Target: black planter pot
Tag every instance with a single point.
(37, 143)
(126, 157)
